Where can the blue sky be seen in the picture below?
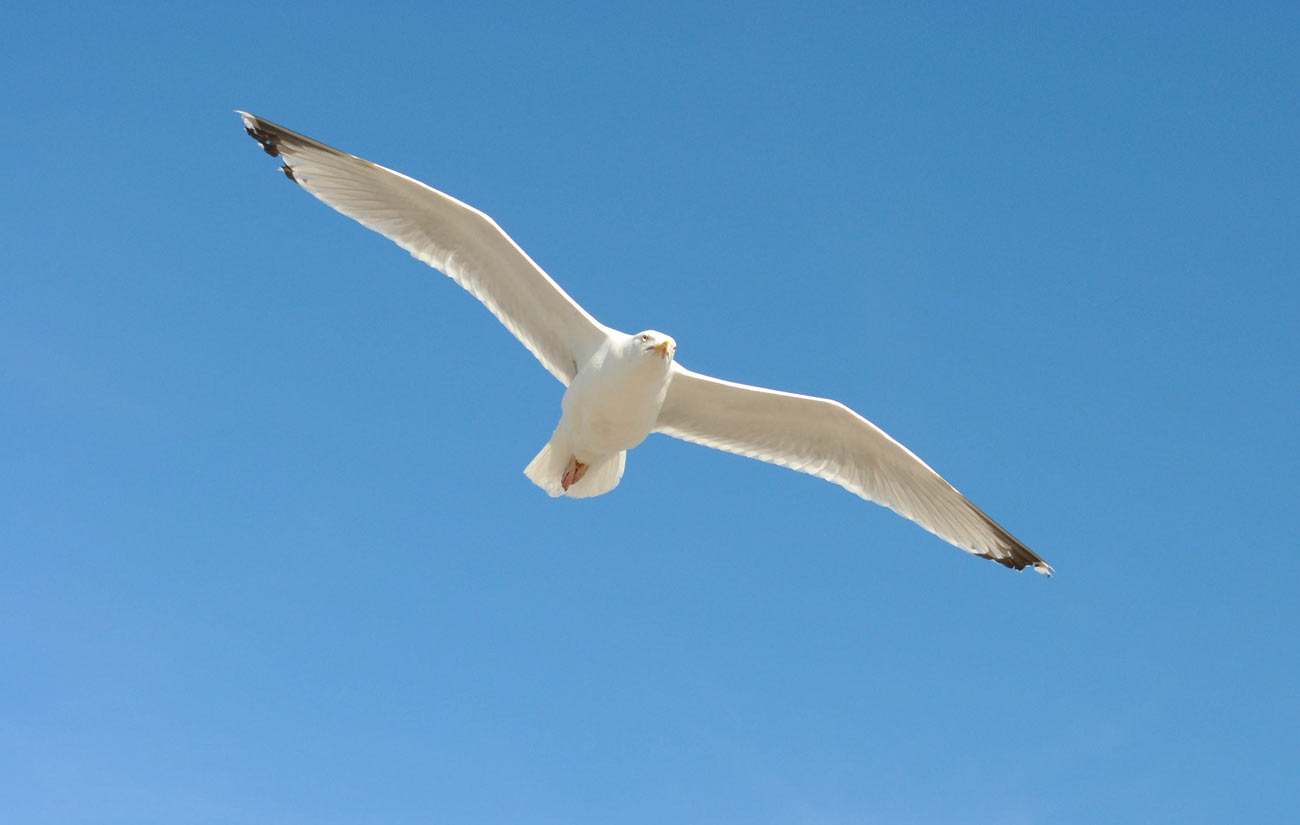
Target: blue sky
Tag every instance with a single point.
(267, 554)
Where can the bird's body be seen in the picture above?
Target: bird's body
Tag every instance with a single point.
(613, 402)
(620, 388)
(611, 406)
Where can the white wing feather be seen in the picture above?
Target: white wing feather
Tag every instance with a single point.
(450, 236)
(827, 439)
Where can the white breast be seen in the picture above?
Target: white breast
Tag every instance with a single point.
(613, 402)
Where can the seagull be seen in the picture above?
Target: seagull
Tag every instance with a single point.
(621, 387)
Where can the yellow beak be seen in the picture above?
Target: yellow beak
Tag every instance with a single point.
(662, 348)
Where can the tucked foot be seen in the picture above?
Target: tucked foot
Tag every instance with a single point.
(573, 473)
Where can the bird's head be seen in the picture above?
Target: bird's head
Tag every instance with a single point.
(655, 343)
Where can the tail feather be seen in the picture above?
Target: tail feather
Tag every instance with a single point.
(546, 470)
(601, 477)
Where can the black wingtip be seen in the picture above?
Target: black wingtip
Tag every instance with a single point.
(276, 140)
(265, 138)
(1020, 562)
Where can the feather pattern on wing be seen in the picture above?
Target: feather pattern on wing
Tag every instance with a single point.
(450, 236)
(827, 439)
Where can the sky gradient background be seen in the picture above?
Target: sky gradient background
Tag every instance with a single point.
(267, 554)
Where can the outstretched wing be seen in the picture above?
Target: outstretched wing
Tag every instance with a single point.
(831, 441)
(448, 235)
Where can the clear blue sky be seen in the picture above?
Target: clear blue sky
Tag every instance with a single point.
(267, 554)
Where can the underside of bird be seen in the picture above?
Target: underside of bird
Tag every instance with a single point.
(621, 387)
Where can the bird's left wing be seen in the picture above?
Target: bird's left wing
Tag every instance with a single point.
(827, 439)
(448, 235)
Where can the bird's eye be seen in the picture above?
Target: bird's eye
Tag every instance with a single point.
(645, 338)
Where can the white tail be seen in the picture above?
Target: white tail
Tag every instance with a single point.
(601, 476)
(546, 470)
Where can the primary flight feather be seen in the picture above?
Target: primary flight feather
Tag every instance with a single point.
(620, 387)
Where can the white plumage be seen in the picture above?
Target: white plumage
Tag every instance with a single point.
(620, 387)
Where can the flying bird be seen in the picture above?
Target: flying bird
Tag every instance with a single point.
(620, 387)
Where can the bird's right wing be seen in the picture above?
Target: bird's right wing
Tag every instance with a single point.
(827, 439)
(448, 235)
